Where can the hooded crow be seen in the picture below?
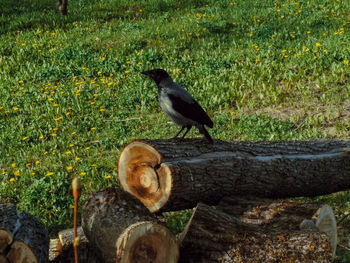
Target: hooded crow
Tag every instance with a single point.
(179, 104)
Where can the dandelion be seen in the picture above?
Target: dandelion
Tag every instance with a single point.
(140, 10)
(25, 138)
(58, 118)
(308, 32)
(53, 134)
(94, 165)
(77, 159)
(346, 61)
(69, 168)
(257, 60)
(103, 58)
(325, 51)
(284, 50)
(317, 44)
(87, 148)
(251, 34)
(108, 177)
(195, 63)
(41, 137)
(71, 145)
(82, 173)
(37, 162)
(15, 108)
(127, 71)
(16, 173)
(12, 180)
(13, 165)
(28, 164)
(49, 174)
(93, 129)
(67, 152)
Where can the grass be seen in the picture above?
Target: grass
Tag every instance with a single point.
(71, 92)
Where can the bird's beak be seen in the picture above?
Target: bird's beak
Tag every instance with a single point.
(145, 73)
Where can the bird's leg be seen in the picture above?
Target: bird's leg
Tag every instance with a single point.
(188, 129)
(177, 134)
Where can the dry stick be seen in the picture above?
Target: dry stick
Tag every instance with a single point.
(76, 194)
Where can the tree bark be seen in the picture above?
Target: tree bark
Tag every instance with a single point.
(30, 239)
(65, 250)
(123, 229)
(62, 6)
(214, 236)
(176, 174)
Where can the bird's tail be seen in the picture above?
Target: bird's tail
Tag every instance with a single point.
(206, 134)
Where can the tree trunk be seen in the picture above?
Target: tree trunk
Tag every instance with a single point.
(62, 6)
(25, 236)
(214, 236)
(123, 229)
(176, 174)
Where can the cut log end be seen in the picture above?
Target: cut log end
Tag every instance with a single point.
(142, 174)
(20, 252)
(5, 239)
(147, 242)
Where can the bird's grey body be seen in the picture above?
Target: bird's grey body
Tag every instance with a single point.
(179, 104)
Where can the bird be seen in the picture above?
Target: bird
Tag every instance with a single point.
(179, 104)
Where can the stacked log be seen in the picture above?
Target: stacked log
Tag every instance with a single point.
(22, 237)
(268, 231)
(123, 229)
(168, 175)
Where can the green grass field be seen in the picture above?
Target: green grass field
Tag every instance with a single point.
(71, 92)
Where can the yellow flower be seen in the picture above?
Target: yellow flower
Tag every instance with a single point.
(16, 173)
(317, 44)
(93, 129)
(108, 177)
(69, 168)
(58, 118)
(77, 159)
(12, 179)
(28, 164)
(25, 138)
(53, 134)
(49, 174)
(37, 162)
(13, 165)
(140, 10)
(346, 61)
(41, 137)
(103, 58)
(68, 153)
(15, 108)
(308, 32)
(82, 173)
(94, 165)
(71, 145)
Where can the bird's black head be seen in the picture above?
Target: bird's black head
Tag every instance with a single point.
(157, 75)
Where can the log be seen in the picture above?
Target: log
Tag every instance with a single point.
(64, 249)
(175, 174)
(214, 236)
(30, 238)
(5, 239)
(282, 214)
(123, 229)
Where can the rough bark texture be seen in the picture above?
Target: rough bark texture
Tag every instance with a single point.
(214, 236)
(282, 215)
(108, 220)
(201, 172)
(25, 227)
(63, 250)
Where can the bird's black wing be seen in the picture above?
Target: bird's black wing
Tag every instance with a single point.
(191, 110)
